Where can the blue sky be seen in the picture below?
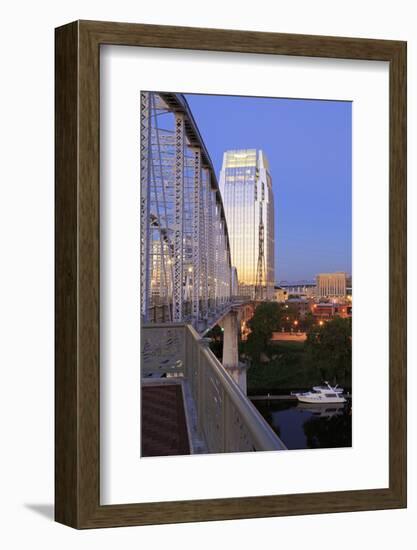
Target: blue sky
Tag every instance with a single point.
(308, 145)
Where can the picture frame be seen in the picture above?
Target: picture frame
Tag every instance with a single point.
(77, 291)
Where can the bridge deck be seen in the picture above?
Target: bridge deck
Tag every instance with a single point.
(164, 427)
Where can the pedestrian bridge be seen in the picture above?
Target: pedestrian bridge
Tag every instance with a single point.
(186, 272)
(190, 401)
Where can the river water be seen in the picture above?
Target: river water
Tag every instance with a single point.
(308, 426)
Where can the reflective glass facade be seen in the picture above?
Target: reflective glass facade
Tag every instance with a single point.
(246, 187)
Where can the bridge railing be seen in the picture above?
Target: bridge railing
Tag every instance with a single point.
(226, 418)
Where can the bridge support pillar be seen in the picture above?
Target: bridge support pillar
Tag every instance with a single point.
(230, 350)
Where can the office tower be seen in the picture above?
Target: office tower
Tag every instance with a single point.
(246, 188)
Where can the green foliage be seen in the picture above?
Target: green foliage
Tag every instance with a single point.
(326, 354)
(307, 323)
(329, 350)
(286, 370)
(266, 318)
(215, 333)
(289, 314)
(216, 347)
(216, 344)
(265, 321)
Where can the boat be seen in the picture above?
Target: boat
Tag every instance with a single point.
(336, 388)
(321, 394)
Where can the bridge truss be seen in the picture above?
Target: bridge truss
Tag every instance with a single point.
(185, 252)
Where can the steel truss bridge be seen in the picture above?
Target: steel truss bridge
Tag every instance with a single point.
(186, 288)
(186, 273)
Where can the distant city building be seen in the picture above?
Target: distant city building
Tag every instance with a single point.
(280, 294)
(349, 286)
(301, 289)
(246, 188)
(331, 285)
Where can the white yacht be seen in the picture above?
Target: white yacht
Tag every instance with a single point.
(321, 394)
(326, 387)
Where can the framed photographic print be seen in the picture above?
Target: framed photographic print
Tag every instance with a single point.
(230, 274)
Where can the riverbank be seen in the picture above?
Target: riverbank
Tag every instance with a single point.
(286, 370)
(282, 397)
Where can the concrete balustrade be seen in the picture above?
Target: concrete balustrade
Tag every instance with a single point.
(225, 417)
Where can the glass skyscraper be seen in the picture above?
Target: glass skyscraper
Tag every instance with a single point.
(246, 188)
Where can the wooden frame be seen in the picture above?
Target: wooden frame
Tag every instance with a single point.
(77, 405)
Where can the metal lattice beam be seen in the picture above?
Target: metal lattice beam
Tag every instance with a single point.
(145, 187)
(203, 243)
(185, 256)
(177, 294)
(196, 233)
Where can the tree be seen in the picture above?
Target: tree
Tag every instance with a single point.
(265, 321)
(215, 333)
(307, 323)
(329, 348)
(289, 314)
(216, 344)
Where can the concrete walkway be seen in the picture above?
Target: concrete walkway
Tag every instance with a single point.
(164, 427)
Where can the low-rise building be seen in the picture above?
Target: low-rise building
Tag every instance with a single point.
(280, 294)
(328, 310)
